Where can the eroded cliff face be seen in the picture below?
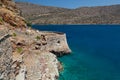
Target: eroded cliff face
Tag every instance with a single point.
(33, 50)
(9, 20)
(27, 54)
(9, 14)
(5, 55)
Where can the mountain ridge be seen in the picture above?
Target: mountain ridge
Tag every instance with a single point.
(83, 15)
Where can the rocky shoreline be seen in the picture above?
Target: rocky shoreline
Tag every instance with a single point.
(40, 45)
(33, 58)
(27, 54)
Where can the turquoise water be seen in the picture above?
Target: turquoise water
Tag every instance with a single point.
(95, 51)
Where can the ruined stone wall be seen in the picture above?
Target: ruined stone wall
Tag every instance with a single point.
(57, 43)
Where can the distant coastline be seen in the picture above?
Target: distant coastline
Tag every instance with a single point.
(38, 14)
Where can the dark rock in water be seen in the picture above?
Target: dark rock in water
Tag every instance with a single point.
(60, 53)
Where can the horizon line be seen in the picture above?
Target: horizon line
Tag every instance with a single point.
(67, 7)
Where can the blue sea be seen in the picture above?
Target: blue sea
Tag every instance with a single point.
(95, 51)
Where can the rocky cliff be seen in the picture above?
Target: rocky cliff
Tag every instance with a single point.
(5, 60)
(9, 14)
(27, 54)
(5, 55)
(35, 50)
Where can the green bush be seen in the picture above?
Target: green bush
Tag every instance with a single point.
(19, 50)
(38, 37)
(29, 24)
(14, 34)
(1, 19)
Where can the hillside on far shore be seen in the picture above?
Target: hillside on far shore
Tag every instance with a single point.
(38, 14)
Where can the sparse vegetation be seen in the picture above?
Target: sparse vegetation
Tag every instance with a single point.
(14, 34)
(19, 50)
(37, 53)
(29, 24)
(1, 19)
(26, 33)
(38, 37)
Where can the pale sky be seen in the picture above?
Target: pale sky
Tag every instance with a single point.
(73, 3)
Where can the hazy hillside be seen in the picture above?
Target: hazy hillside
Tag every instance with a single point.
(38, 14)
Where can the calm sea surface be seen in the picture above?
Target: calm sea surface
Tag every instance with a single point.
(95, 51)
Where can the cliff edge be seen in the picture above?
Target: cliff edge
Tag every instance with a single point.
(27, 54)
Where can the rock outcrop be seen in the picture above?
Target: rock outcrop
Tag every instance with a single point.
(33, 50)
(27, 54)
(5, 56)
(56, 43)
(10, 14)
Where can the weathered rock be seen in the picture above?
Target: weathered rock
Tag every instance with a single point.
(22, 74)
(54, 42)
(37, 57)
(60, 67)
(5, 58)
(10, 14)
(12, 18)
(41, 66)
(33, 64)
(26, 54)
(57, 43)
